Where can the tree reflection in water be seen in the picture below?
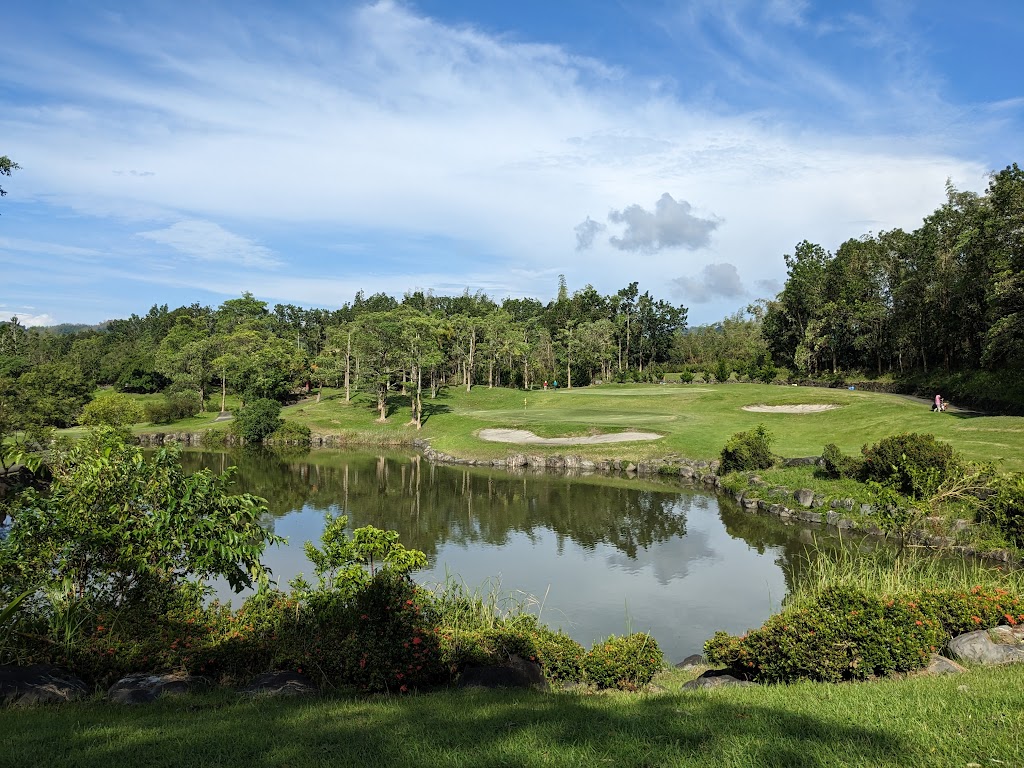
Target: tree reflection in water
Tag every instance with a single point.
(612, 554)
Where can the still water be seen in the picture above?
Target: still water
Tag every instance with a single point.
(593, 555)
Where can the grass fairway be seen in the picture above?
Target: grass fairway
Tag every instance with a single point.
(949, 721)
(695, 420)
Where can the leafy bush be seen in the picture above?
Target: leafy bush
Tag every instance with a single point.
(627, 663)
(747, 451)
(913, 464)
(835, 464)
(174, 407)
(722, 371)
(257, 420)
(392, 645)
(290, 433)
(113, 409)
(1005, 508)
(845, 634)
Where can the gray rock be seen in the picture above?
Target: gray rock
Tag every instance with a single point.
(804, 497)
(39, 684)
(519, 673)
(1001, 645)
(716, 678)
(282, 683)
(691, 661)
(940, 665)
(143, 688)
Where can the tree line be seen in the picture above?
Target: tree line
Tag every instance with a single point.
(376, 344)
(946, 297)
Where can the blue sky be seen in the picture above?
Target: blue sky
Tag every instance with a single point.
(186, 152)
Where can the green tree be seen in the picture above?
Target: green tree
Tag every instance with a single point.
(113, 409)
(257, 420)
(6, 167)
(115, 521)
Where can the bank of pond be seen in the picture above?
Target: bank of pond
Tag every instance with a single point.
(579, 580)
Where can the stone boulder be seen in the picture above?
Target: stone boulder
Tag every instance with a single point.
(281, 683)
(518, 673)
(940, 665)
(144, 688)
(691, 661)
(804, 497)
(39, 684)
(716, 678)
(1000, 645)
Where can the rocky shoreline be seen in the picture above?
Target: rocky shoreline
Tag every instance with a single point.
(803, 504)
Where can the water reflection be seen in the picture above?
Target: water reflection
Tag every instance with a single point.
(598, 555)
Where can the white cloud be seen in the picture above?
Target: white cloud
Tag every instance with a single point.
(394, 126)
(714, 281)
(670, 225)
(209, 242)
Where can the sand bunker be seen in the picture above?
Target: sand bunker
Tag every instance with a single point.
(523, 437)
(817, 408)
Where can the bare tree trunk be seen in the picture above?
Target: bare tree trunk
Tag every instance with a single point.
(348, 368)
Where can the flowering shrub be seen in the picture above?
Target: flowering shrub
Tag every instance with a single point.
(847, 634)
(627, 663)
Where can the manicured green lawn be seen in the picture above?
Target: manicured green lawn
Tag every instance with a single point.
(950, 721)
(695, 420)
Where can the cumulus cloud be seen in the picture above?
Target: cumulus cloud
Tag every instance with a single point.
(29, 320)
(209, 242)
(586, 231)
(767, 288)
(714, 281)
(670, 225)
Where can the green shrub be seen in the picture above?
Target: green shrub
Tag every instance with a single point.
(113, 409)
(747, 451)
(722, 371)
(559, 655)
(173, 407)
(686, 376)
(845, 634)
(1005, 508)
(627, 663)
(835, 464)
(913, 464)
(392, 643)
(257, 420)
(290, 433)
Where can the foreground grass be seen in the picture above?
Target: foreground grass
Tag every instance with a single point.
(695, 420)
(950, 721)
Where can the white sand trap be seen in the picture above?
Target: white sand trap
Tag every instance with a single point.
(524, 437)
(816, 408)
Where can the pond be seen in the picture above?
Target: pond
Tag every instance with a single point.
(594, 555)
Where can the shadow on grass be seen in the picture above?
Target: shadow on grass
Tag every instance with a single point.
(440, 730)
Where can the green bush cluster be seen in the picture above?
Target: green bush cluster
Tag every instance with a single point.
(747, 451)
(913, 464)
(836, 465)
(627, 663)
(290, 433)
(848, 634)
(257, 420)
(173, 407)
(1004, 509)
(560, 657)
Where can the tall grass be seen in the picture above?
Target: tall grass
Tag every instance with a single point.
(882, 570)
(482, 607)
